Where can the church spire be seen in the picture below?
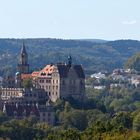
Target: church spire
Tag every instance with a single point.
(23, 66)
(23, 55)
(23, 49)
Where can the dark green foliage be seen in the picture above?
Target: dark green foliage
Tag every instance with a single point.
(27, 83)
(3, 117)
(134, 62)
(75, 119)
(93, 55)
(136, 122)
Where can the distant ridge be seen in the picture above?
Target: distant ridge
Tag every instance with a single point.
(94, 54)
(94, 40)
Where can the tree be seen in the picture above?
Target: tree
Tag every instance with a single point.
(134, 62)
(27, 83)
(74, 118)
(70, 134)
(3, 117)
(136, 122)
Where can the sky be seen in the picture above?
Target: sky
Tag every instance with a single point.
(70, 19)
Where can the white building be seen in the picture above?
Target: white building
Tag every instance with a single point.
(98, 75)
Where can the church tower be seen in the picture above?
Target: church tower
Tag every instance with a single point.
(23, 66)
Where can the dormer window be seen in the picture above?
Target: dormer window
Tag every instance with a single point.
(43, 74)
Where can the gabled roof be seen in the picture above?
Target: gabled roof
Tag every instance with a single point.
(79, 71)
(21, 110)
(64, 70)
(46, 71)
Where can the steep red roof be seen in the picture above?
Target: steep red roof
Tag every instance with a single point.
(46, 71)
(35, 73)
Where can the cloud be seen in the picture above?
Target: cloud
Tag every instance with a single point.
(132, 22)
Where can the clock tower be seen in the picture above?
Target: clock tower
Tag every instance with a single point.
(23, 66)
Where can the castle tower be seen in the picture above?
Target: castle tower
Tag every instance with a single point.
(23, 66)
(17, 80)
(69, 60)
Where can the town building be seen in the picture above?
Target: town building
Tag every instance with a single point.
(42, 113)
(61, 81)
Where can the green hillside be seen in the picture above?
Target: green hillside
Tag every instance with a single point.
(134, 62)
(93, 55)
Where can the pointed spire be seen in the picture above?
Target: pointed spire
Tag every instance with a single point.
(23, 49)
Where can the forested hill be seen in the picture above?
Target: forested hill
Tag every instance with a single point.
(93, 55)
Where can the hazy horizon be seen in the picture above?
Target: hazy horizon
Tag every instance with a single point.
(82, 39)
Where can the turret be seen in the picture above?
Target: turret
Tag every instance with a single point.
(69, 60)
(18, 80)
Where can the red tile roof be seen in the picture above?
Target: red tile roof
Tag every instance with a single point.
(46, 70)
(35, 73)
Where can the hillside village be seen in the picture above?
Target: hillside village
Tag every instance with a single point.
(123, 78)
(60, 98)
(33, 93)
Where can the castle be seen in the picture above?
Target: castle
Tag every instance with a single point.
(53, 82)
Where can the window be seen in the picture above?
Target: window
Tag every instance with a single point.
(41, 81)
(43, 74)
(48, 81)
